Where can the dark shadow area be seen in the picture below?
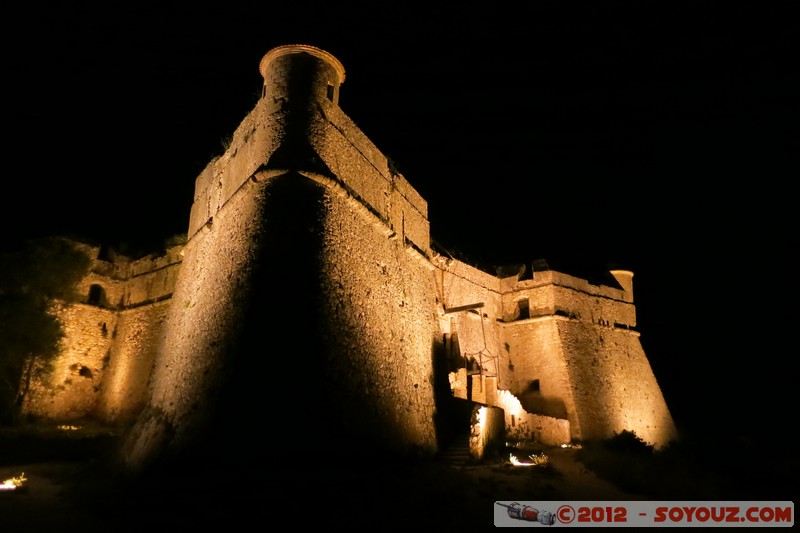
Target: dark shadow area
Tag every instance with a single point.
(697, 468)
(533, 402)
(39, 442)
(73, 486)
(274, 397)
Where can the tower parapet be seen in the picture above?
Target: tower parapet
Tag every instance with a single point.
(625, 280)
(301, 71)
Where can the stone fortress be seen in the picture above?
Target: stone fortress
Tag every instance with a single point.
(308, 295)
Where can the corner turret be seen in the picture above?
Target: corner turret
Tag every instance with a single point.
(306, 72)
(625, 280)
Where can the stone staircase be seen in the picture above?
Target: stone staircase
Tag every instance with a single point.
(457, 452)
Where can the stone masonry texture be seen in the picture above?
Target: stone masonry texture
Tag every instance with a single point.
(308, 301)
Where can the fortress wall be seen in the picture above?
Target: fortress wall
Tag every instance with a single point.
(130, 364)
(154, 263)
(71, 390)
(113, 289)
(153, 278)
(95, 331)
(347, 152)
(487, 431)
(459, 284)
(378, 304)
(592, 308)
(552, 292)
(612, 384)
(592, 303)
(541, 302)
(534, 369)
(198, 340)
(521, 425)
(206, 201)
(582, 285)
(264, 299)
(254, 141)
(479, 342)
(307, 300)
(107, 274)
(365, 171)
(117, 269)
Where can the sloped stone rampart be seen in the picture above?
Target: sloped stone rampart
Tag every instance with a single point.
(130, 364)
(613, 385)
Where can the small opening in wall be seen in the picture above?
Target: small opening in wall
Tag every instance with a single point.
(513, 421)
(105, 253)
(523, 309)
(330, 92)
(526, 274)
(96, 295)
(533, 386)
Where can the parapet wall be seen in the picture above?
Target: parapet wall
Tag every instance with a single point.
(110, 339)
(254, 141)
(348, 157)
(152, 279)
(365, 172)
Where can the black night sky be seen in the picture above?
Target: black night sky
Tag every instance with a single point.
(655, 136)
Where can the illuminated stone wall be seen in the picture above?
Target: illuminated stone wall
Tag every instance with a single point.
(110, 339)
(487, 431)
(612, 384)
(522, 425)
(130, 362)
(577, 357)
(569, 354)
(72, 389)
(379, 307)
(308, 301)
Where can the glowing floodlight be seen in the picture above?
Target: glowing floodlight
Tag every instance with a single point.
(534, 460)
(13, 483)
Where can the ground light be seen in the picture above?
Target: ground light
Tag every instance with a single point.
(13, 483)
(533, 460)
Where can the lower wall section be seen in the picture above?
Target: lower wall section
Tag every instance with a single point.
(70, 389)
(284, 340)
(612, 385)
(487, 431)
(130, 364)
(521, 425)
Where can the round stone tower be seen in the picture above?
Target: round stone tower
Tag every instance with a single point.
(305, 72)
